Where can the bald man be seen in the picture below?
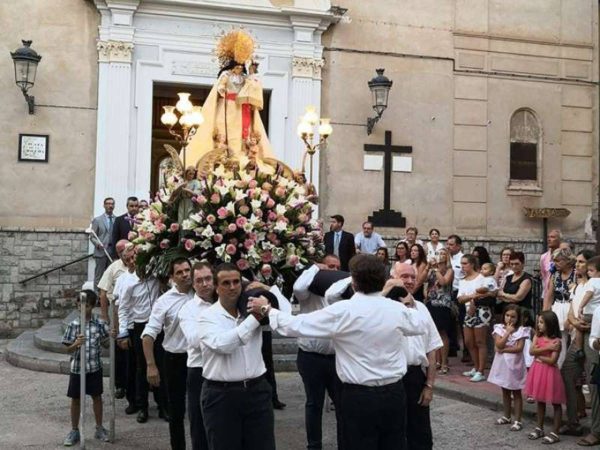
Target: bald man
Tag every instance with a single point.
(420, 358)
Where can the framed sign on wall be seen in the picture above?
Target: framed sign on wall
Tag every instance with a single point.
(33, 147)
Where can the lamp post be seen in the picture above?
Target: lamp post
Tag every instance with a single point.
(26, 61)
(380, 89)
(189, 118)
(306, 132)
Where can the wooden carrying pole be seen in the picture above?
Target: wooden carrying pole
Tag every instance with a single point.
(82, 360)
(113, 321)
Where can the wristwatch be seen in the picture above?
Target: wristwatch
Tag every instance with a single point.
(264, 310)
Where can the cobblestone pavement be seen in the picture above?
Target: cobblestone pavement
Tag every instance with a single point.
(34, 415)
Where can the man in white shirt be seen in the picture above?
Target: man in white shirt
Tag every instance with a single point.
(135, 306)
(368, 241)
(454, 246)
(189, 320)
(165, 315)
(316, 359)
(106, 287)
(236, 397)
(369, 334)
(420, 375)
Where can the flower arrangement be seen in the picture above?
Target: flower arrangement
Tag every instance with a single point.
(251, 219)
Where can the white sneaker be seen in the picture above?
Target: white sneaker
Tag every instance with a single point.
(478, 376)
(470, 373)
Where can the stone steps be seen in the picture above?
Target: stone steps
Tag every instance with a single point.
(42, 350)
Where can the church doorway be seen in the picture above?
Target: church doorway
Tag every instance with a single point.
(165, 94)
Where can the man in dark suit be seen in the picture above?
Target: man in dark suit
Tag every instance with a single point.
(339, 242)
(102, 226)
(124, 224)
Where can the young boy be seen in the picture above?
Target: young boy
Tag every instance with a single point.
(589, 302)
(96, 331)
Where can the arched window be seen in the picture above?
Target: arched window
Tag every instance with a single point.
(525, 140)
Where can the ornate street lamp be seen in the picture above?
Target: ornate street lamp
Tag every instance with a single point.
(306, 132)
(26, 60)
(380, 89)
(189, 118)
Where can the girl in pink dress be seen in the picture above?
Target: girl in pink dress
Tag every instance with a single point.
(508, 369)
(544, 381)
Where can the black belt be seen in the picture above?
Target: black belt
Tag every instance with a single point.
(233, 384)
(360, 387)
(323, 355)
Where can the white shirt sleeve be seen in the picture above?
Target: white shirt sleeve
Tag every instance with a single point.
(334, 293)
(190, 327)
(319, 324)
(357, 240)
(303, 282)
(284, 303)
(595, 331)
(226, 341)
(414, 323)
(157, 320)
(380, 242)
(124, 306)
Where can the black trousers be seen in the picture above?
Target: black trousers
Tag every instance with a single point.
(141, 382)
(374, 418)
(194, 390)
(319, 375)
(120, 368)
(453, 343)
(238, 417)
(175, 369)
(418, 422)
(131, 373)
(267, 355)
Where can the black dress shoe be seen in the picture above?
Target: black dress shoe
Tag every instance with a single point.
(120, 393)
(163, 414)
(278, 405)
(142, 416)
(131, 409)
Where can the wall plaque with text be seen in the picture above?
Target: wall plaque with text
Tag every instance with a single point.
(33, 147)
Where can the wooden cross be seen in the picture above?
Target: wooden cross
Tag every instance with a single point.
(388, 149)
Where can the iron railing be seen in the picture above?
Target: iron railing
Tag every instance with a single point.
(54, 269)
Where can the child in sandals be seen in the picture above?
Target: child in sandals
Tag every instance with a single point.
(544, 381)
(508, 369)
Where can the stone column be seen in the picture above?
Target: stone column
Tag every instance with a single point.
(113, 157)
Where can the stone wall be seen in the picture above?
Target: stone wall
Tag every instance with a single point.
(25, 253)
(532, 248)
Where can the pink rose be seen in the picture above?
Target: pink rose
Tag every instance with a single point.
(150, 237)
(271, 237)
(252, 236)
(266, 270)
(267, 186)
(248, 244)
(240, 184)
(266, 257)
(222, 212)
(293, 260)
(250, 193)
(270, 203)
(300, 231)
(231, 228)
(272, 216)
(218, 238)
(243, 264)
(174, 228)
(244, 209)
(280, 191)
(201, 200)
(131, 235)
(230, 249)
(211, 219)
(154, 215)
(161, 227)
(165, 244)
(215, 198)
(241, 221)
(189, 244)
(258, 213)
(252, 184)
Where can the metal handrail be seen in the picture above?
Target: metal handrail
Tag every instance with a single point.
(62, 266)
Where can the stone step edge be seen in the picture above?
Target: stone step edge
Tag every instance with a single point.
(21, 352)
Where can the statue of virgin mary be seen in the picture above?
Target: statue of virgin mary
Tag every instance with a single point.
(231, 110)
